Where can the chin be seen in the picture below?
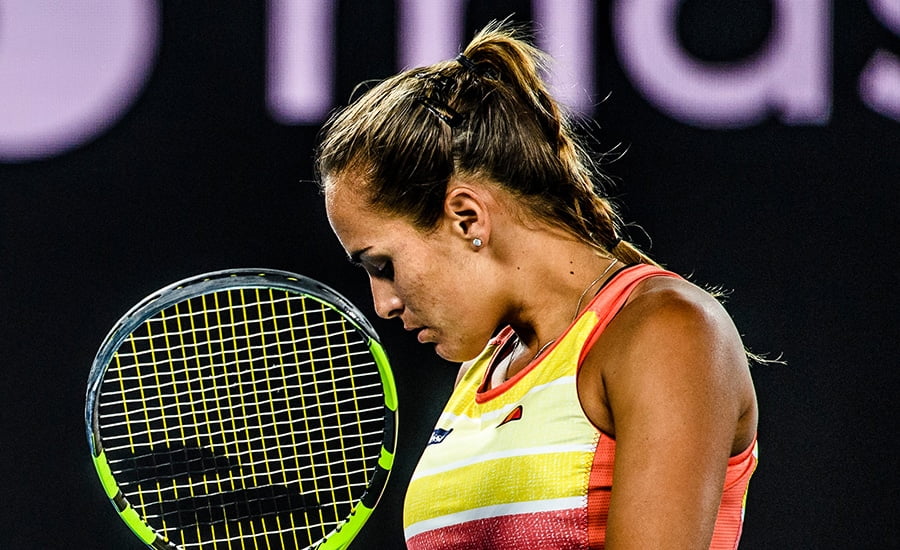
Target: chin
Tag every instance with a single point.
(456, 355)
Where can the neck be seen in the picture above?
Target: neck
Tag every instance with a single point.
(556, 276)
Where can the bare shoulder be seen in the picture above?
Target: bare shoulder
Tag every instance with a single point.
(665, 310)
(672, 348)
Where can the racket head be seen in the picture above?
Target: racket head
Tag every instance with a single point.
(247, 408)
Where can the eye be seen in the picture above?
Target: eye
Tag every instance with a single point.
(379, 268)
(383, 270)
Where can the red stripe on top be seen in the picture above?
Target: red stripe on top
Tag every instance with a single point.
(532, 531)
(600, 491)
(730, 521)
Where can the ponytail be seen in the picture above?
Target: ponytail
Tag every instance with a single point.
(487, 114)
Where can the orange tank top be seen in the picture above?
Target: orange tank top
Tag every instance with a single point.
(521, 466)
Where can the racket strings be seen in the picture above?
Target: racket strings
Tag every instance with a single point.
(245, 414)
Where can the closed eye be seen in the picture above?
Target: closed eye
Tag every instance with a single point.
(379, 267)
(383, 269)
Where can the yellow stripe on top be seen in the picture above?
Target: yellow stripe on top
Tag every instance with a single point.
(466, 444)
(552, 485)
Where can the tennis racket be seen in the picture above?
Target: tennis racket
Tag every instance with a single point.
(250, 409)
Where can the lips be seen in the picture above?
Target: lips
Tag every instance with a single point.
(421, 333)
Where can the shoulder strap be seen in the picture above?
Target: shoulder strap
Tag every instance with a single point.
(607, 303)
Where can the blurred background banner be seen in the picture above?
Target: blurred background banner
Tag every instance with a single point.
(144, 141)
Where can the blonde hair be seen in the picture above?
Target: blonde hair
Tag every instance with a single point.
(486, 114)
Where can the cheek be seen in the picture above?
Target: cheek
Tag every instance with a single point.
(425, 302)
(465, 327)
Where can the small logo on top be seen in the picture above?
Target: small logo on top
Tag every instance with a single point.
(515, 414)
(438, 435)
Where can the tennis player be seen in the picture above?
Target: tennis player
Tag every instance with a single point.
(602, 402)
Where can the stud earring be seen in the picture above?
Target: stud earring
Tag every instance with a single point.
(476, 242)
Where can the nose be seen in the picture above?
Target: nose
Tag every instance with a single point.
(387, 303)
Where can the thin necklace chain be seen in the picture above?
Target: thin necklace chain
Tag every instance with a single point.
(577, 310)
(540, 351)
(595, 281)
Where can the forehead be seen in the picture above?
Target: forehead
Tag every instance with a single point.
(355, 222)
(337, 195)
(345, 200)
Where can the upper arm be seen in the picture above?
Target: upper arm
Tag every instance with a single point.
(675, 395)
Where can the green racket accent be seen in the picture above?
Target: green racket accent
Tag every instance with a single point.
(134, 521)
(243, 409)
(106, 477)
(386, 460)
(390, 390)
(129, 515)
(342, 539)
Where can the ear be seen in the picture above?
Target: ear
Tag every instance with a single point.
(466, 212)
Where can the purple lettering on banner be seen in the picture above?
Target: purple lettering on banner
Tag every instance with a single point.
(568, 36)
(789, 76)
(432, 30)
(69, 70)
(429, 31)
(301, 60)
(888, 11)
(301, 54)
(879, 83)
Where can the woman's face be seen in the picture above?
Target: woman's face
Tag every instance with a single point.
(431, 281)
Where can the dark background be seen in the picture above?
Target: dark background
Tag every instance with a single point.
(798, 221)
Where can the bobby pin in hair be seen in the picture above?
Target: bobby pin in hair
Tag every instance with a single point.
(441, 110)
(468, 64)
(475, 68)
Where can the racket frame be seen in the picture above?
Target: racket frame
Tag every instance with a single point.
(246, 278)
